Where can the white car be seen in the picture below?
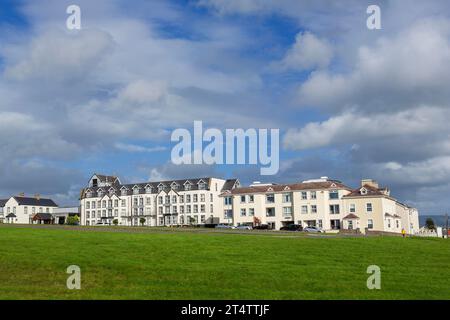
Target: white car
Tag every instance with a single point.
(312, 229)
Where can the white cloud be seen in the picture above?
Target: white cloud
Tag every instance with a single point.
(137, 148)
(308, 52)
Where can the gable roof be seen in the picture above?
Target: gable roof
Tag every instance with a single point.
(230, 184)
(42, 202)
(369, 191)
(293, 187)
(351, 216)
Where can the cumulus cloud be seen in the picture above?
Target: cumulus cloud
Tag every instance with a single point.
(308, 52)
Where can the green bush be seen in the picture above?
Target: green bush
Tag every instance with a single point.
(73, 220)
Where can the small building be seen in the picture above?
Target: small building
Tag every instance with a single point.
(61, 214)
(21, 209)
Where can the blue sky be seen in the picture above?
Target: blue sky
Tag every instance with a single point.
(350, 103)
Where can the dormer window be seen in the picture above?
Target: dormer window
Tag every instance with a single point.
(123, 191)
(334, 194)
(363, 191)
(89, 193)
(136, 190)
(174, 186)
(94, 183)
(160, 187)
(111, 192)
(187, 187)
(100, 193)
(148, 189)
(201, 185)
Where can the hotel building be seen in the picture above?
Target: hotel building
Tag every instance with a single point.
(163, 203)
(324, 203)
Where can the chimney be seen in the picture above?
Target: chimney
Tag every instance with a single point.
(37, 196)
(369, 182)
(22, 194)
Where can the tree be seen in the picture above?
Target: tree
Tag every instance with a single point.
(73, 220)
(429, 224)
(142, 221)
(115, 222)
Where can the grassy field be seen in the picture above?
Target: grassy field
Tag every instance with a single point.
(159, 264)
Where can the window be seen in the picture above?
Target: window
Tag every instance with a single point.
(370, 224)
(397, 223)
(304, 195)
(313, 208)
(195, 199)
(270, 198)
(181, 209)
(188, 209)
(148, 201)
(304, 209)
(242, 199)
(93, 204)
(369, 207)
(88, 205)
(228, 201)
(202, 208)
(188, 198)
(243, 212)
(389, 223)
(251, 212)
(25, 210)
(202, 219)
(270, 212)
(334, 209)
(352, 208)
(167, 199)
(160, 200)
(287, 211)
(350, 225)
(116, 203)
(335, 224)
(187, 186)
(116, 212)
(174, 209)
(123, 192)
(334, 194)
(195, 208)
(202, 197)
(313, 195)
(124, 203)
(211, 208)
(202, 186)
(319, 223)
(251, 198)
(211, 197)
(174, 199)
(181, 199)
(286, 197)
(135, 190)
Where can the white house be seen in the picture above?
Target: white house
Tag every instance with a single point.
(26, 210)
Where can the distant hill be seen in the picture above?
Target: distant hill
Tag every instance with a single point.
(438, 220)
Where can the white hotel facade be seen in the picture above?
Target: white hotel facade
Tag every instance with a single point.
(325, 203)
(162, 203)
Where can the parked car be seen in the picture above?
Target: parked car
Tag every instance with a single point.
(312, 229)
(244, 227)
(262, 227)
(224, 226)
(292, 227)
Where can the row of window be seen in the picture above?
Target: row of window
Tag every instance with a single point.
(161, 210)
(25, 210)
(148, 201)
(287, 197)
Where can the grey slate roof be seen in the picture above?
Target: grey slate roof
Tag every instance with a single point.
(41, 202)
(3, 202)
(154, 186)
(43, 216)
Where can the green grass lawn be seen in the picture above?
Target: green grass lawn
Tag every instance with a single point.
(153, 264)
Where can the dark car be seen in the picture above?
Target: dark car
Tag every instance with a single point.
(261, 227)
(292, 227)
